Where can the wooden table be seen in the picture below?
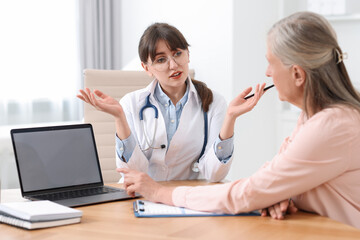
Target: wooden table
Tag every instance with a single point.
(116, 220)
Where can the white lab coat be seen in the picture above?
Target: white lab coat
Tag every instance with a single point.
(186, 144)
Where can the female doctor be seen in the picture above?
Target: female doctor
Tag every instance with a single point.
(176, 128)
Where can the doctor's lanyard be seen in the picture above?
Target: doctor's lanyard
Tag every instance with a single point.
(195, 164)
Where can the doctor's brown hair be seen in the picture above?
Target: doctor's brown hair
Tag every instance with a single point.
(175, 40)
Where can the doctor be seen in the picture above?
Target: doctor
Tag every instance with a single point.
(176, 128)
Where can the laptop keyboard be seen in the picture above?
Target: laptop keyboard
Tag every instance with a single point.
(76, 193)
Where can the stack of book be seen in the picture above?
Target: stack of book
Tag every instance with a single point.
(38, 214)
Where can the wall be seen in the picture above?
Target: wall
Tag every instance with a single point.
(255, 131)
(206, 24)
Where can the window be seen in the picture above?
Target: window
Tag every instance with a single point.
(40, 69)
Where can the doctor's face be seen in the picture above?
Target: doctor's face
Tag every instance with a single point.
(169, 67)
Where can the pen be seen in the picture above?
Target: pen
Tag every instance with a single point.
(268, 87)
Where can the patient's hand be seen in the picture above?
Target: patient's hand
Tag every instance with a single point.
(278, 210)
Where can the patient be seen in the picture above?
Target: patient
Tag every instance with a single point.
(318, 166)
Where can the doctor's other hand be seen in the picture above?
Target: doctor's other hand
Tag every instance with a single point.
(140, 182)
(239, 105)
(102, 102)
(279, 210)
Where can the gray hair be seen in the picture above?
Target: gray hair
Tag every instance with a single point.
(308, 40)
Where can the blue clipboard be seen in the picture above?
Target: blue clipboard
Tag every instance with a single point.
(147, 209)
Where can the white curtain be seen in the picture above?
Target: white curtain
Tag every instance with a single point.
(100, 34)
(47, 45)
(39, 62)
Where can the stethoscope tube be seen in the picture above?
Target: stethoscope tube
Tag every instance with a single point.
(194, 165)
(148, 105)
(141, 116)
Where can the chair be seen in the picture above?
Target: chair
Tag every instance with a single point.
(115, 83)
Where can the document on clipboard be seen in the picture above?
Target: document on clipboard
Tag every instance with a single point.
(150, 209)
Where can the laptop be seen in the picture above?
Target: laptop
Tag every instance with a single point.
(61, 164)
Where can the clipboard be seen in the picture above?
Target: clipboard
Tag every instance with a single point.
(147, 209)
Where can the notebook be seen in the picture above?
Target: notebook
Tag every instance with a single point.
(38, 214)
(61, 164)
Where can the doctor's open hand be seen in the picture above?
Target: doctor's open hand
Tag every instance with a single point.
(102, 102)
(105, 103)
(238, 106)
(140, 182)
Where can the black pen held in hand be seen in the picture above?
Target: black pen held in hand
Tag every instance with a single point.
(268, 87)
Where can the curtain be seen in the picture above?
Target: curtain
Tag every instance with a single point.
(39, 62)
(100, 34)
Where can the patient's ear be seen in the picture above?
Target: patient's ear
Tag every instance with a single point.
(299, 75)
(146, 68)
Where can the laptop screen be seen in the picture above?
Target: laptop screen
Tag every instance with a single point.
(56, 157)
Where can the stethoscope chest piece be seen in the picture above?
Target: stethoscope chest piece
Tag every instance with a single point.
(195, 167)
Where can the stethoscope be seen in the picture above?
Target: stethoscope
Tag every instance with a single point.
(149, 142)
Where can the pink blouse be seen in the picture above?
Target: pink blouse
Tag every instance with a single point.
(318, 166)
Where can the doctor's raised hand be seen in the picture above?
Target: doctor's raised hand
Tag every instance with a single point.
(107, 104)
(238, 106)
(104, 102)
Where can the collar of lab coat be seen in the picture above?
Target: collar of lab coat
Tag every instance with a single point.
(151, 88)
